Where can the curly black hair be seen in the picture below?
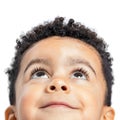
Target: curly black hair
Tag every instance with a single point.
(58, 27)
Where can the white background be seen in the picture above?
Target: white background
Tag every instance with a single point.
(17, 16)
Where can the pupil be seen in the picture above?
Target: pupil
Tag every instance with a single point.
(40, 74)
(78, 74)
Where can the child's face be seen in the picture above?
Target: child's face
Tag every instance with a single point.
(60, 78)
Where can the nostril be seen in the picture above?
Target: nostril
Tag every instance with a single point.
(64, 88)
(52, 87)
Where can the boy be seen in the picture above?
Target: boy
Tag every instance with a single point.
(61, 71)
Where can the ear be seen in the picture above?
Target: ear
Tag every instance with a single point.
(10, 113)
(108, 113)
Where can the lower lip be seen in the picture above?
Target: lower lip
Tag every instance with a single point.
(58, 106)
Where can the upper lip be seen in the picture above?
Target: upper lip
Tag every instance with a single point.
(59, 103)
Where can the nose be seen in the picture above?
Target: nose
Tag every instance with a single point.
(58, 85)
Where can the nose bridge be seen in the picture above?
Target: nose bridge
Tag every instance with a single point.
(58, 84)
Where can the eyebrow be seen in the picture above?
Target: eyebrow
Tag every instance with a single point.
(37, 61)
(74, 61)
(70, 61)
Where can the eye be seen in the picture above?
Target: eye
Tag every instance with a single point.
(80, 74)
(39, 73)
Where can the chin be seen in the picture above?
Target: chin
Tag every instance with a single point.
(60, 116)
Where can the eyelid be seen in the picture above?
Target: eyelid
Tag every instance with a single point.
(37, 61)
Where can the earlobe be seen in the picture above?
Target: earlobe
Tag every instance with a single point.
(10, 113)
(109, 113)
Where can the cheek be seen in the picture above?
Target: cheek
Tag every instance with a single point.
(27, 101)
(91, 96)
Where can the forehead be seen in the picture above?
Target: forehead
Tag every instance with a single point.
(60, 43)
(57, 48)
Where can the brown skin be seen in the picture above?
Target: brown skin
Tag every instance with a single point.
(68, 83)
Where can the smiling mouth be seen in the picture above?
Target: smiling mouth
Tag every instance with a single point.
(57, 105)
